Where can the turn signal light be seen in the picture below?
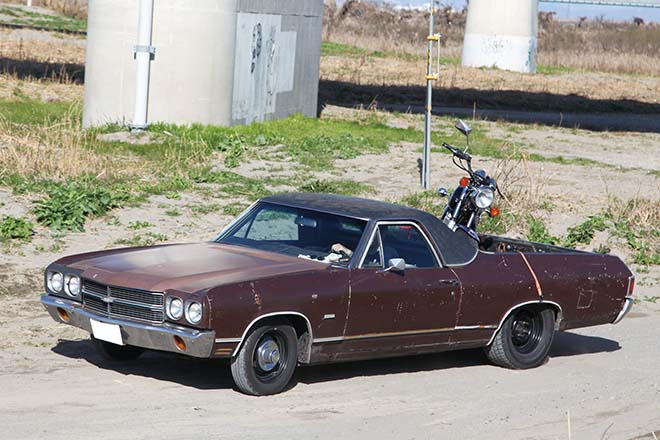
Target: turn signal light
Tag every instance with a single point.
(464, 182)
(494, 211)
(63, 314)
(180, 343)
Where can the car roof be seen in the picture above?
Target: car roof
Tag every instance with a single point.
(346, 206)
(455, 248)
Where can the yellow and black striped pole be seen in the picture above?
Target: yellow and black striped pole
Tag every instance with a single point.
(432, 39)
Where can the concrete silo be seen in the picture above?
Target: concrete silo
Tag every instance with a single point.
(501, 33)
(222, 62)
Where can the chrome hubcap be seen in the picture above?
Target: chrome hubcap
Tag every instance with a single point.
(268, 354)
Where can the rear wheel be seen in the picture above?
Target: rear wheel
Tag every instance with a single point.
(266, 361)
(115, 352)
(524, 339)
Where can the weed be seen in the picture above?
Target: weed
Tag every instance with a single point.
(204, 209)
(139, 225)
(147, 239)
(344, 187)
(584, 232)
(174, 212)
(234, 209)
(68, 205)
(538, 233)
(12, 228)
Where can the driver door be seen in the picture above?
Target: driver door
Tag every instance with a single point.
(401, 311)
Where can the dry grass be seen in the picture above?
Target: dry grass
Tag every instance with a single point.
(592, 45)
(56, 151)
(22, 45)
(407, 72)
(14, 88)
(70, 8)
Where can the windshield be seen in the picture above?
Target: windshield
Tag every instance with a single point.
(297, 232)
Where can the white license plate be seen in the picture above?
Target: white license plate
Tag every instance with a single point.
(107, 332)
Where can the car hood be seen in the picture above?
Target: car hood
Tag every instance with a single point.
(184, 267)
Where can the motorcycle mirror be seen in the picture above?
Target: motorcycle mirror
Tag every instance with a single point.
(463, 128)
(443, 192)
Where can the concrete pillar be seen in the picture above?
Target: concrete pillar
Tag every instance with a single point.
(501, 33)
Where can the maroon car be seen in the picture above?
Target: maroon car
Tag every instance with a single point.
(310, 278)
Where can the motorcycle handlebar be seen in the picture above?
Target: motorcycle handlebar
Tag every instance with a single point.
(458, 153)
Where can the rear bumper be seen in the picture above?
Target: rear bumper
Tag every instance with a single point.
(199, 343)
(627, 305)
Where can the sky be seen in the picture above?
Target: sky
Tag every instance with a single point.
(566, 11)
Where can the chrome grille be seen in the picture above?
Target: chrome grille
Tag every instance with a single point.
(120, 302)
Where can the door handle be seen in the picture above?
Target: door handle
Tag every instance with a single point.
(451, 282)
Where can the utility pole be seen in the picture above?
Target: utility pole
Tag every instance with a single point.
(431, 77)
(143, 53)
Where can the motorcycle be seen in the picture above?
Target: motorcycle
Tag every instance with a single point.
(475, 194)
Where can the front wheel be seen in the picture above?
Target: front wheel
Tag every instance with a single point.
(266, 361)
(524, 339)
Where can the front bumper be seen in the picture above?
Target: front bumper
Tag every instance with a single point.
(199, 343)
(627, 305)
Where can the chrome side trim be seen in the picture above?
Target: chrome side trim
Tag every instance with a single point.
(474, 327)
(227, 340)
(506, 315)
(382, 335)
(394, 222)
(269, 315)
(323, 340)
(627, 305)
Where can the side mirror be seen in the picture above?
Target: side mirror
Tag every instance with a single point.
(396, 265)
(442, 192)
(463, 128)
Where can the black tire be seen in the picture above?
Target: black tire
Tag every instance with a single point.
(254, 371)
(524, 339)
(115, 352)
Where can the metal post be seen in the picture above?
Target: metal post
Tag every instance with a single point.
(430, 78)
(29, 3)
(144, 52)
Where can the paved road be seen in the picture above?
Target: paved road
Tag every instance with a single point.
(55, 386)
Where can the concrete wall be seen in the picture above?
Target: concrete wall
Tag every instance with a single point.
(501, 33)
(217, 61)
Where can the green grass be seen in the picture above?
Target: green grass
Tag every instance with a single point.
(32, 112)
(554, 70)
(32, 18)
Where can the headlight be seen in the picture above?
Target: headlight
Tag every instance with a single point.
(484, 197)
(194, 312)
(55, 281)
(72, 285)
(174, 308)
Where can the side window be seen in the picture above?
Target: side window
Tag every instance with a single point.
(407, 242)
(374, 256)
(273, 224)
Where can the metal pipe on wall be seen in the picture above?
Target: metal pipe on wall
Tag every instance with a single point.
(144, 53)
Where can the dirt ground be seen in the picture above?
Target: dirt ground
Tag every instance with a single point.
(56, 386)
(605, 378)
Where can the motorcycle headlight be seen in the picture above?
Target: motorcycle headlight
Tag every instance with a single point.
(194, 312)
(72, 285)
(484, 197)
(55, 281)
(174, 308)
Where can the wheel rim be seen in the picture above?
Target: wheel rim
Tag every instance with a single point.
(269, 358)
(526, 331)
